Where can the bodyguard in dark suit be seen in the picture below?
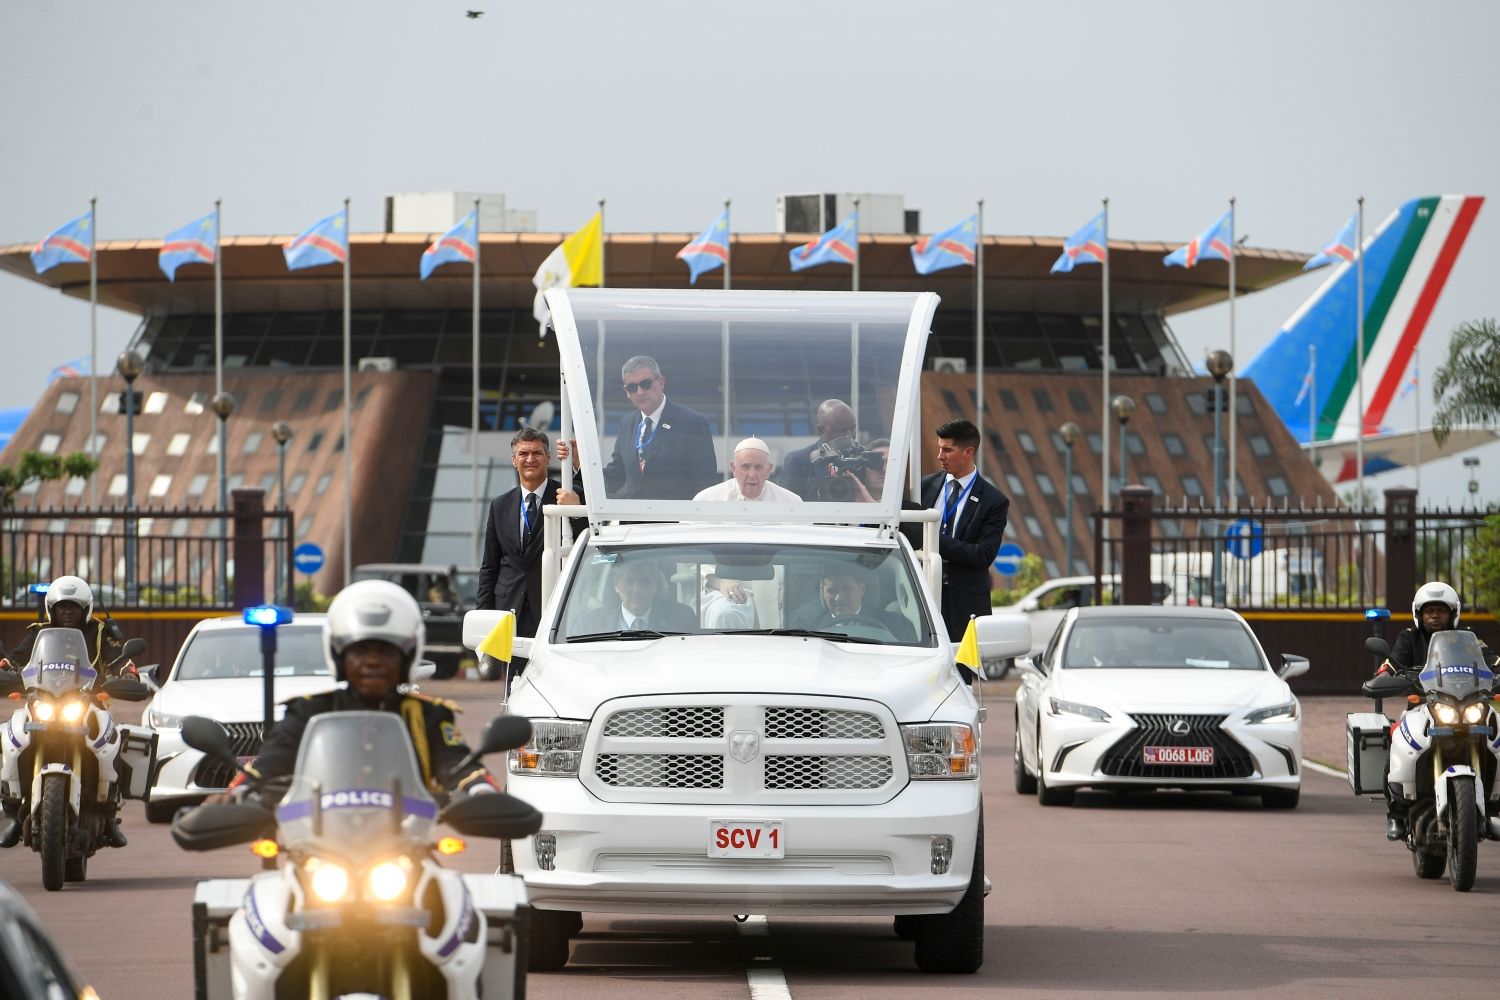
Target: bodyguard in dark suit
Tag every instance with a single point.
(510, 573)
(663, 451)
(637, 584)
(974, 513)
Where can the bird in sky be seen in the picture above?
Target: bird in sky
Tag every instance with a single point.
(473, 15)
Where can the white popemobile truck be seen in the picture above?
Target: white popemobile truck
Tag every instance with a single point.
(747, 706)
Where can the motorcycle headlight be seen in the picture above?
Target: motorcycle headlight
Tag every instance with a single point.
(1474, 712)
(387, 880)
(43, 711)
(1444, 713)
(1275, 713)
(555, 749)
(329, 881)
(73, 711)
(1060, 707)
(940, 750)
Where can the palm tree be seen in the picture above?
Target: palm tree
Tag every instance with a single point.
(1467, 388)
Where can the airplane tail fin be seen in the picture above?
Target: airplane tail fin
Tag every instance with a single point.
(1407, 260)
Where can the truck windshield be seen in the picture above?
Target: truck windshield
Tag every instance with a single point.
(854, 595)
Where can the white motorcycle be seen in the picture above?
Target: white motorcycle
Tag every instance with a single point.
(359, 902)
(1443, 753)
(65, 761)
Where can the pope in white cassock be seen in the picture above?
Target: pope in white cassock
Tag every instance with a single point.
(752, 472)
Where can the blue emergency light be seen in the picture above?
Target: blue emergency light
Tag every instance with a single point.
(268, 615)
(39, 588)
(1373, 614)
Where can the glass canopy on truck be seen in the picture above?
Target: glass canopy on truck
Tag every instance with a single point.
(661, 387)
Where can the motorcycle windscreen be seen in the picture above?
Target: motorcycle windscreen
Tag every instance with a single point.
(1456, 665)
(59, 662)
(665, 385)
(357, 791)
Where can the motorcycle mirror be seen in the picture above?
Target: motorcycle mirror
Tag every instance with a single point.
(209, 738)
(1378, 646)
(126, 689)
(132, 648)
(220, 824)
(498, 817)
(11, 683)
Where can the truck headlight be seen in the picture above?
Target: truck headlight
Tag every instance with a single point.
(936, 751)
(1060, 707)
(1275, 713)
(555, 749)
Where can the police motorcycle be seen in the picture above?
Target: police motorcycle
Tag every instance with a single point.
(65, 761)
(358, 902)
(1442, 753)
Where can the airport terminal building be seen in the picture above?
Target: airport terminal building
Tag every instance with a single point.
(412, 344)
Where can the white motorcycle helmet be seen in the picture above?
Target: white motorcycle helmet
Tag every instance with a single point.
(374, 609)
(1429, 593)
(70, 588)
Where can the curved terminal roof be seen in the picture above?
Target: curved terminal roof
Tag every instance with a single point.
(385, 273)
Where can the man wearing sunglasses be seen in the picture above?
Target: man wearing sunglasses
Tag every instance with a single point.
(664, 450)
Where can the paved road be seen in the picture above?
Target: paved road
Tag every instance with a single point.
(1162, 894)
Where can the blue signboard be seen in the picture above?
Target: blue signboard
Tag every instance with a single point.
(307, 557)
(1245, 539)
(1008, 559)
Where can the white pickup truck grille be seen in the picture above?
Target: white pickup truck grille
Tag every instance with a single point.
(796, 750)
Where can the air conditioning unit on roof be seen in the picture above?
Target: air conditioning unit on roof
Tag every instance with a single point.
(377, 364)
(956, 366)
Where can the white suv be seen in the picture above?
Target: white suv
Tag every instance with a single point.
(748, 707)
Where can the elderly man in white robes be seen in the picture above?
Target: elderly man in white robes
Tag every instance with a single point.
(751, 480)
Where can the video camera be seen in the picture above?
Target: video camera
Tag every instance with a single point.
(842, 457)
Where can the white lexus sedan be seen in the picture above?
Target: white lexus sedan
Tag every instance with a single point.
(1132, 697)
(218, 674)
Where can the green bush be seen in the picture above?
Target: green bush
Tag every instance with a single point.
(1482, 565)
(1028, 577)
(308, 599)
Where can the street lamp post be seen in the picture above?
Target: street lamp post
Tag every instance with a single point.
(1472, 464)
(1069, 433)
(1220, 364)
(222, 406)
(130, 365)
(282, 432)
(1123, 408)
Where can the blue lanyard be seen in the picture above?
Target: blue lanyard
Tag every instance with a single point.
(641, 441)
(952, 505)
(526, 518)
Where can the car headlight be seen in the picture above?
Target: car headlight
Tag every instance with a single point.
(1444, 713)
(940, 750)
(43, 711)
(1073, 708)
(555, 749)
(157, 719)
(1474, 712)
(1275, 713)
(330, 881)
(387, 880)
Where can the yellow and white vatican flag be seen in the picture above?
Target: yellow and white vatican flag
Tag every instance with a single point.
(501, 640)
(968, 649)
(577, 262)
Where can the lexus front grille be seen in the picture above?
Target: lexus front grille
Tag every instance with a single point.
(1126, 759)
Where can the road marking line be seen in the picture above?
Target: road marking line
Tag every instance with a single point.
(1332, 772)
(765, 984)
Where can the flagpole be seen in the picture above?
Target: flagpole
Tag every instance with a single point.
(1416, 387)
(1359, 349)
(474, 398)
(348, 405)
(728, 244)
(724, 333)
(854, 331)
(979, 334)
(1231, 490)
(94, 346)
(1107, 360)
(602, 243)
(1312, 403)
(218, 391)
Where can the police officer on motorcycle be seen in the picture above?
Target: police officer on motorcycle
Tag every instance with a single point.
(374, 634)
(1435, 608)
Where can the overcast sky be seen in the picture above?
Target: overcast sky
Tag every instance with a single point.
(666, 108)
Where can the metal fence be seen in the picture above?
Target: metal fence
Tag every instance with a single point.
(1284, 558)
(152, 558)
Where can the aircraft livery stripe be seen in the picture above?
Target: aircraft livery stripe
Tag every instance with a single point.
(1341, 398)
(1436, 278)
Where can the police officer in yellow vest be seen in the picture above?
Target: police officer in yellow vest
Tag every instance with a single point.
(70, 604)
